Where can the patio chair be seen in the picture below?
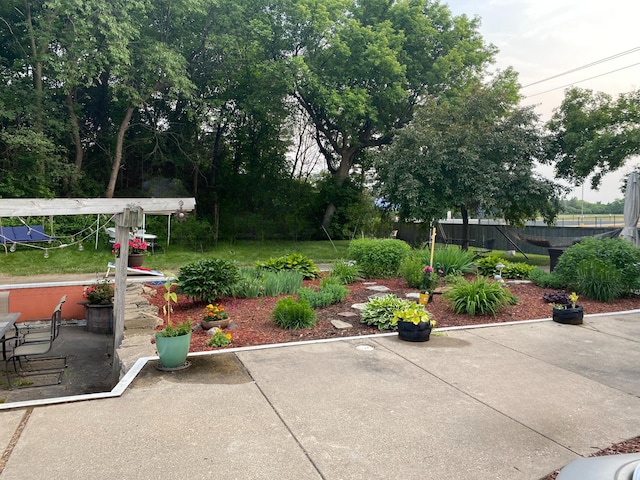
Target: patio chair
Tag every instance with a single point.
(42, 334)
(32, 354)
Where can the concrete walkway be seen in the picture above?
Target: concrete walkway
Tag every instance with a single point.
(503, 402)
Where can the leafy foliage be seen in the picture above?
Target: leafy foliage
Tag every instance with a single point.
(415, 314)
(345, 271)
(207, 279)
(379, 311)
(619, 255)
(411, 270)
(291, 314)
(598, 281)
(452, 260)
(219, 339)
(378, 258)
(487, 266)
(327, 295)
(294, 261)
(545, 280)
(281, 282)
(560, 298)
(479, 297)
(183, 328)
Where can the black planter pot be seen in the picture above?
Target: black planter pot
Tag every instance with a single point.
(568, 316)
(414, 333)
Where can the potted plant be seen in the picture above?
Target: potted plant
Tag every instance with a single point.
(98, 307)
(137, 251)
(428, 284)
(414, 323)
(214, 316)
(172, 342)
(565, 308)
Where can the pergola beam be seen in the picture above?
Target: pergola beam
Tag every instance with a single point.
(33, 207)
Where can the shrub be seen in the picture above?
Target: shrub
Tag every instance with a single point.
(411, 270)
(544, 279)
(453, 260)
(480, 297)
(281, 282)
(378, 258)
(345, 271)
(249, 285)
(291, 314)
(294, 261)
(598, 281)
(208, 279)
(618, 254)
(379, 311)
(328, 295)
(487, 266)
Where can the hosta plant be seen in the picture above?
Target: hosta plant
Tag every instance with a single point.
(379, 311)
(414, 314)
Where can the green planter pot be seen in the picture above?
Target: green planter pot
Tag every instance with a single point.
(173, 350)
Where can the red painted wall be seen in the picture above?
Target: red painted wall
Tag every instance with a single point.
(37, 303)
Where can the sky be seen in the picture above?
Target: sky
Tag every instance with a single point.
(543, 38)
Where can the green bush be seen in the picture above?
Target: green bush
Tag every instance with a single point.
(546, 280)
(345, 271)
(294, 261)
(453, 260)
(618, 254)
(379, 311)
(378, 258)
(411, 270)
(207, 279)
(281, 282)
(479, 297)
(291, 314)
(487, 266)
(328, 295)
(249, 285)
(598, 281)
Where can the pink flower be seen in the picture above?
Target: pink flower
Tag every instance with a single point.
(427, 269)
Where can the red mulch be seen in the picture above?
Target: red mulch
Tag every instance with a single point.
(253, 324)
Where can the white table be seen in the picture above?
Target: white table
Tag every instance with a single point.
(7, 320)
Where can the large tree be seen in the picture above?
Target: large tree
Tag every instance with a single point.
(594, 133)
(364, 65)
(469, 152)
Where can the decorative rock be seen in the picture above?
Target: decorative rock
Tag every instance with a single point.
(413, 295)
(358, 306)
(369, 283)
(347, 314)
(379, 288)
(340, 325)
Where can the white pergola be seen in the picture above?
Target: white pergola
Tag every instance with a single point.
(127, 213)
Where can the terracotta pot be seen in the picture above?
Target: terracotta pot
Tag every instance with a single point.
(206, 325)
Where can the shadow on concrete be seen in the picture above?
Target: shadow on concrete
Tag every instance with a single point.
(90, 369)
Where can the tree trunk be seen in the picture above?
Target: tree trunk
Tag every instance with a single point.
(465, 228)
(75, 131)
(339, 176)
(115, 168)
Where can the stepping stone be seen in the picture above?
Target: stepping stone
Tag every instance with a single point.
(369, 283)
(347, 314)
(358, 306)
(379, 288)
(413, 295)
(340, 325)
(376, 295)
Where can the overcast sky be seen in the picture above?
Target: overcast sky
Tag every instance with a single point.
(542, 38)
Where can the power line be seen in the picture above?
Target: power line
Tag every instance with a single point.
(584, 80)
(588, 65)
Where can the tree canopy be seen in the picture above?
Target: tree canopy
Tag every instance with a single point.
(594, 133)
(471, 153)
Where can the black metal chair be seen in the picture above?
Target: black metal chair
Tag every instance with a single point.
(42, 334)
(32, 353)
